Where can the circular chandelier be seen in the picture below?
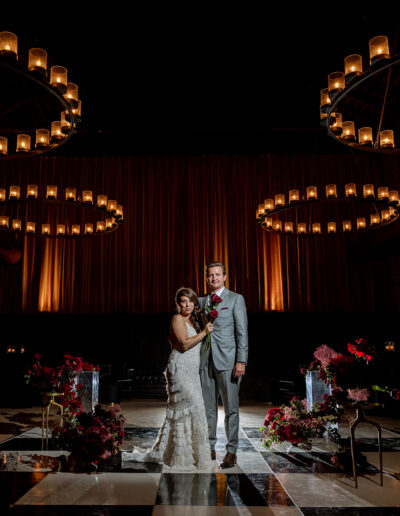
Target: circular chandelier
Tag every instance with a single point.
(360, 108)
(76, 216)
(303, 214)
(45, 118)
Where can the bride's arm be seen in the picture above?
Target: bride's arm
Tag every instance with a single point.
(181, 334)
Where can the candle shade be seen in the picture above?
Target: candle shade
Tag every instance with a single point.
(352, 66)
(88, 228)
(16, 225)
(56, 134)
(2, 194)
(112, 206)
(389, 346)
(78, 110)
(311, 193)
(32, 192)
(368, 191)
(277, 225)
(293, 196)
(4, 221)
(102, 201)
(37, 61)
(289, 227)
(42, 138)
(361, 224)
(60, 229)
(72, 94)
(325, 101)
(45, 229)
(8, 44)
(70, 194)
(76, 229)
(336, 123)
(331, 227)
(87, 196)
(316, 228)
(279, 200)
(331, 192)
(386, 139)
(336, 83)
(269, 204)
(383, 192)
(348, 131)
(23, 143)
(378, 49)
(365, 136)
(346, 225)
(260, 211)
(268, 222)
(59, 77)
(322, 116)
(394, 196)
(392, 212)
(30, 227)
(385, 215)
(100, 226)
(65, 123)
(51, 192)
(109, 223)
(15, 192)
(119, 211)
(301, 228)
(374, 219)
(3, 145)
(350, 190)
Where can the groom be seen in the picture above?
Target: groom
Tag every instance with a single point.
(224, 363)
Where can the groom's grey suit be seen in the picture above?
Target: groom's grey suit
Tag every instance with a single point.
(229, 345)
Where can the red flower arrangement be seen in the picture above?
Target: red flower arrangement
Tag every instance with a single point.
(90, 436)
(296, 424)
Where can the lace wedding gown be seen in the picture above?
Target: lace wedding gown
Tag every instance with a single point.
(182, 442)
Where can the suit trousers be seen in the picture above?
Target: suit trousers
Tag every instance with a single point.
(213, 383)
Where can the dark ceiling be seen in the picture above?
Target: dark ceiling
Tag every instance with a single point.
(236, 81)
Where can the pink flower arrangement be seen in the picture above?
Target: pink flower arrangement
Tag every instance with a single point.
(358, 394)
(325, 355)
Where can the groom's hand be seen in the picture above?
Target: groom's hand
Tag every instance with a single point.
(239, 369)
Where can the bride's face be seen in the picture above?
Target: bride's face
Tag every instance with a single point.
(186, 306)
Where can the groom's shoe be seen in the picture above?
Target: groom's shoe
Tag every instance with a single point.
(213, 455)
(229, 461)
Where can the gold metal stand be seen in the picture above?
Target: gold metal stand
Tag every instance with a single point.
(360, 418)
(46, 410)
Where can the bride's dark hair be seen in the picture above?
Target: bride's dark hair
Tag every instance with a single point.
(191, 294)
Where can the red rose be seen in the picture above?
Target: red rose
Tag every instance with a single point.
(216, 299)
(36, 356)
(271, 415)
(213, 314)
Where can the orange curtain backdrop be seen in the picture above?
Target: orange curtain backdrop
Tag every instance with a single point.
(180, 213)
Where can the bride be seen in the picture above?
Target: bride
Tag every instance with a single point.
(182, 442)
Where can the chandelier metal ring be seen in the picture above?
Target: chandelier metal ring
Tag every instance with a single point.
(386, 211)
(109, 209)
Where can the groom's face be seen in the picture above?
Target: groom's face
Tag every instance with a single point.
(215, 278)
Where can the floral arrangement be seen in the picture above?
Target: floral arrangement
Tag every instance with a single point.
(353, 375)
(91, 436)
(212, 313)
(94, 436)
(296, 423)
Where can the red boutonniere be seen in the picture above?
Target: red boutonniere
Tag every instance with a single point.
(212, 313)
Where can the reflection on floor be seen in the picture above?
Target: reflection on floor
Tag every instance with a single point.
(281, 481)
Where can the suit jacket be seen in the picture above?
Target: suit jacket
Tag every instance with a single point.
(229, 340)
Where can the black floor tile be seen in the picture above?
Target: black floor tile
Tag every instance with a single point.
(350, 511)
(14, 485)
(80, 510)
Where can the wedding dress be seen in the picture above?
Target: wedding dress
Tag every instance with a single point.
(182, 442)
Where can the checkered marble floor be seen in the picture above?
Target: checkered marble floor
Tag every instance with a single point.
(278, 482)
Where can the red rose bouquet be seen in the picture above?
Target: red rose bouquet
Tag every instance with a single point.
(212, 313)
